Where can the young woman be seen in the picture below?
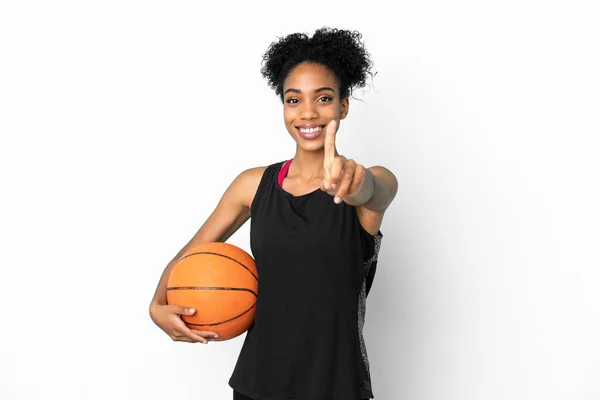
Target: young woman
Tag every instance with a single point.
(315, 235)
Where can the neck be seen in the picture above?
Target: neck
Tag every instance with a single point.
(308, 165)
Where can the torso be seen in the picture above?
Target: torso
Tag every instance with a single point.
(315, 264)
(369, 220)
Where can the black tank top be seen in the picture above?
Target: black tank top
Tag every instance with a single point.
(315, 264)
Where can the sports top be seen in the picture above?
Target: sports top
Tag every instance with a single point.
(316, 265)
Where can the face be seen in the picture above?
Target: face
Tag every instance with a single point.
(311, 99)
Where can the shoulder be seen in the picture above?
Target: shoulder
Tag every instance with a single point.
(247, 182)
(253, 174)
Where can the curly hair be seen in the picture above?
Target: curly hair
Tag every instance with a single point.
(339, 50)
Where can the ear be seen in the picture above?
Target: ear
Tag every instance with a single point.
(344, 105)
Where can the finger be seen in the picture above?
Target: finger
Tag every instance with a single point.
(322, 187)
(205, 334)
(346, 181)
(330, 130)
(360, 174)
(197, 338)
(337, 169)
(190, 335)
(181, 338)
(325, 186)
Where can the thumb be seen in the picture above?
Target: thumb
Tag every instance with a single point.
(183, 310)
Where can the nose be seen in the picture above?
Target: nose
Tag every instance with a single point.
(308, 110)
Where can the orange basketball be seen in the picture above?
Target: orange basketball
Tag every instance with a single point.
(220, 281)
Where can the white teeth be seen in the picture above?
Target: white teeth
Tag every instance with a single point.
(310, 130)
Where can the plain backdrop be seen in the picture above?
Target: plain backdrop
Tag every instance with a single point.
(123, 121)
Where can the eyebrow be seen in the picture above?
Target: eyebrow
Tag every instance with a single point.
(316, 91)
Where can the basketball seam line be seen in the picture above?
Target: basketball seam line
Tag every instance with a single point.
(210, 288)
(221, 255)
(222, 322)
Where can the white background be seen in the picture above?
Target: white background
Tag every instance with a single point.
(123, 122)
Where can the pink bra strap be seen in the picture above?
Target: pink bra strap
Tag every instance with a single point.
(283, 172)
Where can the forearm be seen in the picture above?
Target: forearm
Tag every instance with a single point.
(375, 194)
(160, 295)
(382, 195)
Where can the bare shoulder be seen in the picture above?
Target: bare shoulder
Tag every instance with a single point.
(246, 184)
(232, 211)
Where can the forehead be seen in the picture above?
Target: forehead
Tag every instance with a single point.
(307, 76)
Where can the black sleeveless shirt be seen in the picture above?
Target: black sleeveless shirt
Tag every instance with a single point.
(315, 265)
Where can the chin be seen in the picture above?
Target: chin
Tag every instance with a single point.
(311, 146)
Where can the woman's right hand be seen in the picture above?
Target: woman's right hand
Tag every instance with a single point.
(168, 318)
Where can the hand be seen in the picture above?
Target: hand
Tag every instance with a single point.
(168, 318)
(343, 178)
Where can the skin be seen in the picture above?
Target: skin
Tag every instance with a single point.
(306, 102)
(311, 96)
(316, 165)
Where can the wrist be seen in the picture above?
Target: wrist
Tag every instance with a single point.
(365, 192)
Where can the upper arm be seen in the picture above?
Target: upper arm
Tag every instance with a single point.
(232, 211)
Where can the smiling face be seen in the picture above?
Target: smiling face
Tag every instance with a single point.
(311, 99)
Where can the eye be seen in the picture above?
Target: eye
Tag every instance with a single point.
(290, 101)
(325, 97)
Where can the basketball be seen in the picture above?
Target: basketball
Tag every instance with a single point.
(220, 281)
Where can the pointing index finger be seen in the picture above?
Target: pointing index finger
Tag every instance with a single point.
(330, 141)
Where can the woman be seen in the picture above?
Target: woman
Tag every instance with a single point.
(315, 235)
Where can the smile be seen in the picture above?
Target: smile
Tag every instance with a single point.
(310, 133)
(310, 130)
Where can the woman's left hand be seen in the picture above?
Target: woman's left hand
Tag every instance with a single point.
(343, 178)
